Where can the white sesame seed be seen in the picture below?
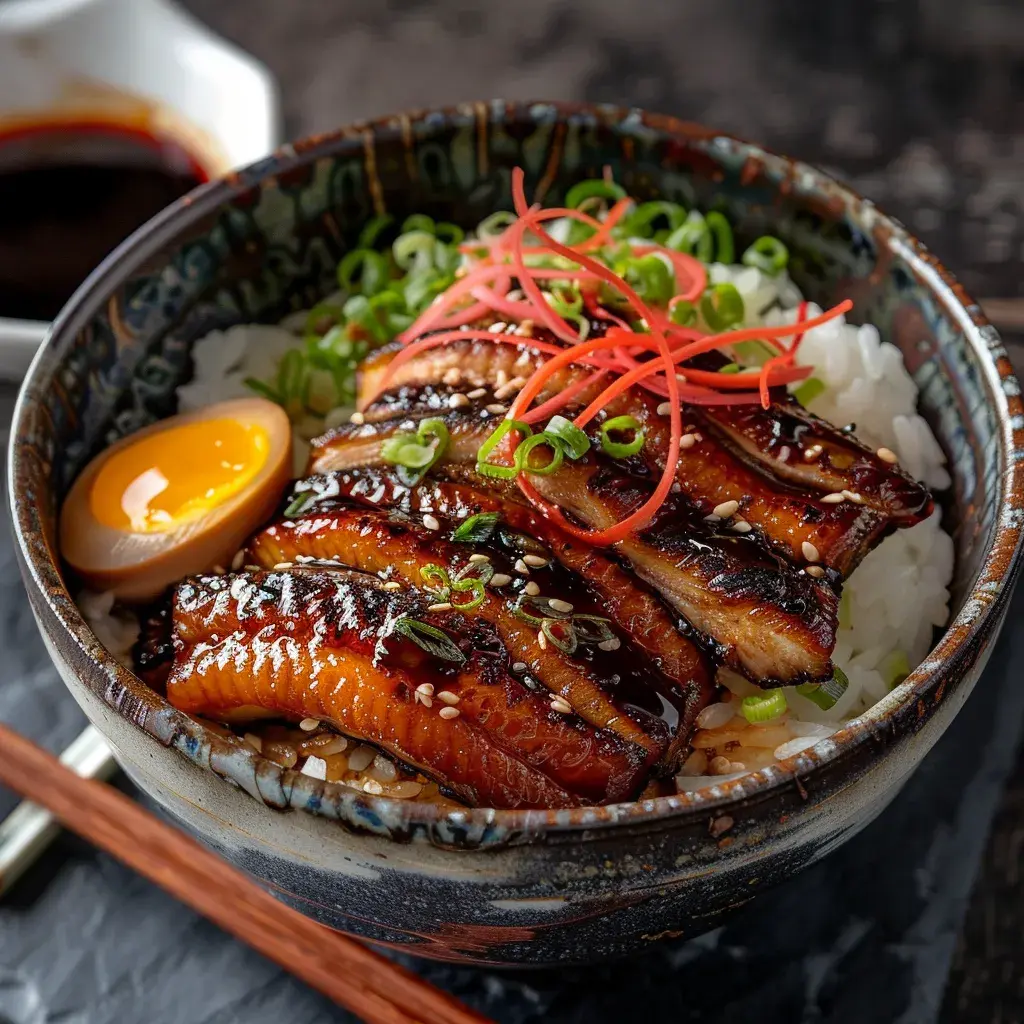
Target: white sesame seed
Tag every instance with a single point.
(283, 565)
(373, 787)
(441, 606)
(741, 526)
(784, 453)
(447, 697)
(888, 455)
(479, 558)
(426, 689)
(814, 570)
(457, 401)
(542, 640)
(556, 604)
(452, 376)
(834, 498)
(497, 327)
(509, 389)
(309, 724)
(519, 666)
(449, 713)
(532, 589)
(522, 567)
(810, 454)
(393, 585)
(525, 329)
(610, 645)
(854, 497)
(698, 436)
(239, 560)
(476, 393)
(315, 768)
(535, 561)
(499, 579)
(357, 418)
(383, 769)
(726, 509)
(810, 552)
(496, 409)
(561, 706)
(687, 440)
(665, 409)
(500, 379)
(431, 523)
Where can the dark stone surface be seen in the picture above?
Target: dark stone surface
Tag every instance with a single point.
(922, 106)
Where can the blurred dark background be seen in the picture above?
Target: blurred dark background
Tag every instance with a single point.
(918, 103)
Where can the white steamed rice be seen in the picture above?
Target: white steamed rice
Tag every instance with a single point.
(891, 603)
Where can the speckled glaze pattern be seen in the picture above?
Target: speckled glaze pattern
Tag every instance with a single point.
(482, 885)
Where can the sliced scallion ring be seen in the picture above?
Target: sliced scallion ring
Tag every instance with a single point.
(621, 424)
(573, 440)
(764, 707)
(561, 633)
(593, 189)
(768, 254)
(472, 584)
(436, 578)
(593, 629)
(651, 279)
(523, 463)
(721, 229)
(485, 468)
(722, 306)
(364, 271)
(826, 694)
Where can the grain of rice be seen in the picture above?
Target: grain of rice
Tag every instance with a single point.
(695, 764)
(385, 769)
(714, 716)
(373, 787)
(315, 768)
(309, 724)
(361, 758)
(406, 790)
(720, 765)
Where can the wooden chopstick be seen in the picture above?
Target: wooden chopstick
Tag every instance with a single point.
(342, 968)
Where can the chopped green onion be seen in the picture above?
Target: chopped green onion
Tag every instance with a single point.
(411, 455)
(485, 468)
(429, 638)
(478, 588)
(299, 504)
(415, 251)
(826, 694)
(651, 279)
(763, 707)
(436, 578)
(560, 632)
(364, 271)
(894, 667)
(419, 222)
(324, 312)
(682, 312)
(808, 391)
(492, 226)
(622, 424)
(593, 189)
(722, 306)
(476, 529)
(730, 368)
(539, 604)
(573, 440)
(753, 353)
(482, 571)
(450, 234)
(725, 248)
(593, 629)
(527, 446)
(263, 390)
(641, 223)
(768, 254)
(370, 235)
(693, 237)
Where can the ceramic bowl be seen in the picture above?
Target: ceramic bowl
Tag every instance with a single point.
(484, 886)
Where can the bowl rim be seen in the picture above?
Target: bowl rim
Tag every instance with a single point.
(980, 613)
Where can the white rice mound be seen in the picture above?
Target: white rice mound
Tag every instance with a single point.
(891, 604)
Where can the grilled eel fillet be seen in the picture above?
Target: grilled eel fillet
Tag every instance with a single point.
(326, 644)
(779, 464)
(771, 622)
(646, 701)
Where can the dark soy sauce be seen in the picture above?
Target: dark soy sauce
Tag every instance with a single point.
(68, 195)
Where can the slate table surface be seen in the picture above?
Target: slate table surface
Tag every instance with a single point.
(920, 917)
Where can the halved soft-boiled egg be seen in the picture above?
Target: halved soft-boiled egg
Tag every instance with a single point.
(176, 498)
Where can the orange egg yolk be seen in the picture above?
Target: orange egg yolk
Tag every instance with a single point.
(176, 476)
